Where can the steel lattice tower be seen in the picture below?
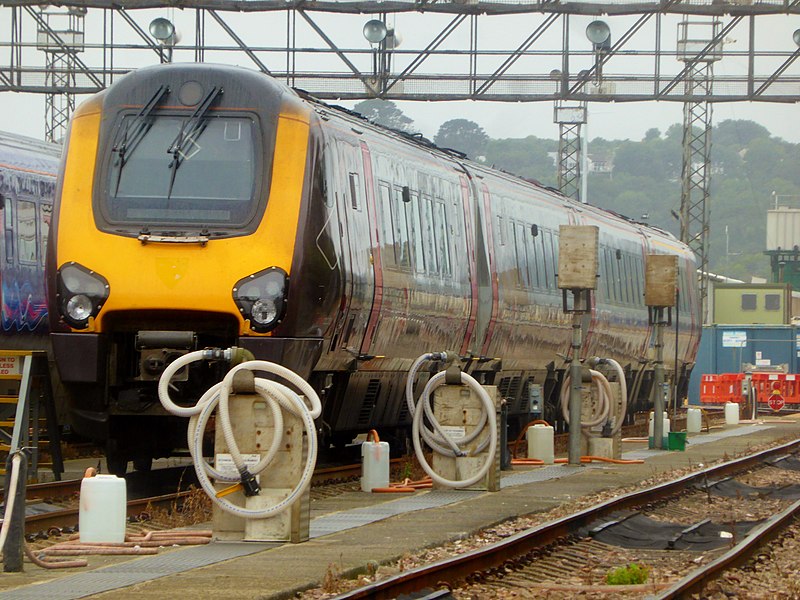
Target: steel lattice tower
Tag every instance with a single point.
(696, 165)
(60, 35)
(570, 118)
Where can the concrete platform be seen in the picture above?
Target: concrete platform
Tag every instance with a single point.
(353, 529)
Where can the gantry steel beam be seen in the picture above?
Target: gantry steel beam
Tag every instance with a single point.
(488, 55)
(477, 7)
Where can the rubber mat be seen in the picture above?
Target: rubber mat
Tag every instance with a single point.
(789, 462)
(641, 532)
(731, 488)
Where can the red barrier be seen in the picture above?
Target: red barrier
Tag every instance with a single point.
(727, 387)
(708, 389)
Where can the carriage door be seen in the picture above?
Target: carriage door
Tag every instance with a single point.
(337, 203)
(488, 287)
(373, 238)
(347, 175)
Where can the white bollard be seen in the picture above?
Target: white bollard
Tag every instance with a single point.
(374, 465)
(540, 443)
(694, 420)
(102, 513)
(731, 413)
(650, 426)
(665, 432)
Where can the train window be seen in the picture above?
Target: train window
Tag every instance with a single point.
(627, 278)
(354, 195)
(46, 210)
(26, 232)
(8, 218)
(541, 272)
(442, 239)
(501, 231)
(208, 178)
(639, 281)
(772, 301)
(429, 234)
(522, 255)
(533, 266)
(748, 301)
(416, 232)
(547, 250)
(554, 255)
(402, 249)
(601, 271)
(615, 287)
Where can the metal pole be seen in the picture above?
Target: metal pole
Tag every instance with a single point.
(576, 385)
(658, 383)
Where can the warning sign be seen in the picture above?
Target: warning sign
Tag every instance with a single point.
(776, 402)
(10, 365)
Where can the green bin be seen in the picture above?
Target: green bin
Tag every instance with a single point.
(676, 440)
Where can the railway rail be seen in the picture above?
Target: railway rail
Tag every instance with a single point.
(507, 555)
(740, 553)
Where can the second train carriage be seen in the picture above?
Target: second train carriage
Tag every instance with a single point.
(204, 205)
(28, 170)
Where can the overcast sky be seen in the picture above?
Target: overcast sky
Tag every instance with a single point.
(24, 113)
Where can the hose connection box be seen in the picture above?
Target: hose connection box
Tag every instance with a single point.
(249, 483)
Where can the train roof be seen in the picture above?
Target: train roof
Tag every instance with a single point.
(423, 142)
(29, 154)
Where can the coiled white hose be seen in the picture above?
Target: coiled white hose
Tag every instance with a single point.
(623, 386)
(437, 438)
(276, 395)
(603, 399)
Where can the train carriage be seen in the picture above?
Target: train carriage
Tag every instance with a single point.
(28, 170)
(204, 205)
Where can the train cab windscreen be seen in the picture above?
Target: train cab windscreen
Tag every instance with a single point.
(172, 172)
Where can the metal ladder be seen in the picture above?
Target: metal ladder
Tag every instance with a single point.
(21, 430)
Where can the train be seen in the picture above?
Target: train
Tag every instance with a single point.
(28, 172)
(203, 205)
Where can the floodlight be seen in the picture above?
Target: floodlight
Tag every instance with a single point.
(375, 31)
(162, 30)
(599, 34)
(796, 36)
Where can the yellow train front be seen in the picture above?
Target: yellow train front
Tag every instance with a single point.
(175, 229)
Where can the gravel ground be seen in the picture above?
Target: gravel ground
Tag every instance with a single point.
(786, 585)
(773, 573)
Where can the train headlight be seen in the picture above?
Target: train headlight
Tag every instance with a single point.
(261, 298)
(79, 307)
(81, 294)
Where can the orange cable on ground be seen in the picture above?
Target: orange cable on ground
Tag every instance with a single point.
(527, 461)
(616, 461)
(405, 486)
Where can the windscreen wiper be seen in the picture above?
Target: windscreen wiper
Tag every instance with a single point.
(191, 129)
(140, 126)
(135, 131)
